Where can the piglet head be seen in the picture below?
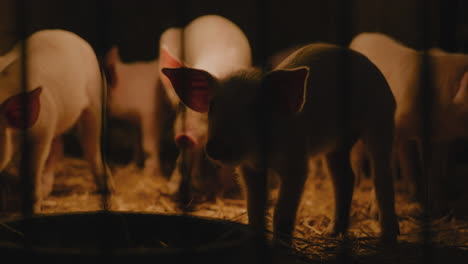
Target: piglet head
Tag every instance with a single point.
(232, 118)
(21, 111)
(240, 103)
(244, 104)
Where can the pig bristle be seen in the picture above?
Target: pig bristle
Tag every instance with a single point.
(253, 73)
(242, 83)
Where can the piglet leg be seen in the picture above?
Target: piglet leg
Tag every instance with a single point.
(89, 129)
(293, 178)
(358, 160)
(37, 158)
(410, 167)
(176, 177)
(48, 175)
(150, 141)
(342, 177)
(256, 190)
(380, 153)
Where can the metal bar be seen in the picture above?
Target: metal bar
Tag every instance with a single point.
(427, 97)
(185, 188)
(103, 10)
(263, 255)
(27, 179)
(184, 168)
(344, 254)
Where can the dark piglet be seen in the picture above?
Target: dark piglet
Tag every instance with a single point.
(307, 109)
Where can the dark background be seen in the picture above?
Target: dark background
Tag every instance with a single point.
(136, 25)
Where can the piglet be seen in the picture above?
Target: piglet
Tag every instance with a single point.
(448, 76)
(64, 88)
(136, 95)
(211, 44)
(317, 102)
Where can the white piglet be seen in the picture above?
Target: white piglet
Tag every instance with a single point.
(210, 44)
(448, 76)
(136, 95)
(64, 88)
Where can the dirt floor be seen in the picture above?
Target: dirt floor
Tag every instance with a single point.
(73, 192)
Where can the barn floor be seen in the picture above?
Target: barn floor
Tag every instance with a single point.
(73, 191)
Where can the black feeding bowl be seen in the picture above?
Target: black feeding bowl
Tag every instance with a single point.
(128, 237)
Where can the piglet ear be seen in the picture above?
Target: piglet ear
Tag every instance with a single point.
(461, 97)
(194, 87)
(288, 89)
(14, 109)
(168, 60)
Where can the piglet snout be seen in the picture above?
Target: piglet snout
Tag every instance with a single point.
(185, 141)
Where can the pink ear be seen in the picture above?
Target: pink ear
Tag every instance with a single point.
(169, 61)
(14, 108)
(288, 89)
(194, 87)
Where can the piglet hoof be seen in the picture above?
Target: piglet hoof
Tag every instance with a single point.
(389, 239)
(374, 212)
(390, 233)
(47, 184)
(110, 187)
(172, 187)
(439, 208)
(37, 207)
(107, 189)
(152, 171)
(281, 244)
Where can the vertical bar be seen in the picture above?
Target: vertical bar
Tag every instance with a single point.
(185, 170)
(343, 36)
(185, 188)
(103, 9)
(427, 113)
(263, 255)
(26, 177)
(27, 180)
